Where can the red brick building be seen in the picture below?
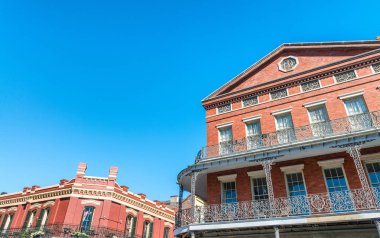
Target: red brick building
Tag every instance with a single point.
(293, 147)
(85, 205)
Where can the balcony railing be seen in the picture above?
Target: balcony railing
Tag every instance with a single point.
(342, 126)
(63, 230)
(309, 205)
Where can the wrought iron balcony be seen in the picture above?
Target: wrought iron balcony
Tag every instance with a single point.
(341, 202)
(65, 230)
(343, 126)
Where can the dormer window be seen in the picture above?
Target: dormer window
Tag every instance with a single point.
(288, 64)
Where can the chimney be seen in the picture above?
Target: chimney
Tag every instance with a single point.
(124, 188)
(63, 181)
(113, 173)
(81, 169)
(34, 187)
(142, 195)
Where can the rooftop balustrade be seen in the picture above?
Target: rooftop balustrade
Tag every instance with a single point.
(343, 126)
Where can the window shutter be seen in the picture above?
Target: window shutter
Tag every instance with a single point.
(39, 220)
(150, 230)
(133, 226)
(4, 221)
(26, 219)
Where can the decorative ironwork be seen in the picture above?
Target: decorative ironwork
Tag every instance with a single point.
(311, 85)
(279, 94)
(224, 108)
(343, 126)
(194, 176)
(345, 76)
(288, 63)
(305, 205)
(250, 101)
(180, 200)
(267, 166)
(354, 152)
(376, 68)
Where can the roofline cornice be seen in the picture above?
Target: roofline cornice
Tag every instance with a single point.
(327, 73)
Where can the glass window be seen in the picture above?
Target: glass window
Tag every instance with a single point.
(345, 76)
(224, 108)
(335, 180)
(228, 192)
(358, 113)
(253, 134)
(42, 218)
(285, 130)
(7, 222)
(279, 94)
(308, 86)
(166, 232)
(296, 185)
(131, 226)
(148, 229)
(88, 213)
(225, 140)
(250, 101)
(320, 124)
(376, 68)
(260, 189)
(373, 170)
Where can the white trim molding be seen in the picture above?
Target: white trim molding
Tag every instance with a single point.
(351, 94)
(12, 209)
(224, 125)
(253, 118)
(332, 163)
(371, 158)
(292, 169)
(148, 217)
(227, 178)
(49, 203)
(168, 224)
(131, 211)
(256, 174)
(36, 205)
(315, 103)
(90, 202)
(281, 111)
(2, 210)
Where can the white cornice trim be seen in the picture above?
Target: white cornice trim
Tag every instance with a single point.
(333, 163)
(371, 158)
(90, 202)
(281, 111)
(168, 224)
(292, 169)
(351, 94)
(2, 210)
(49, 203)
(315, 103)
(12, 209)
(148, 217)
(36, 205)
(256, 174)
(224, 125)
(227, 178)
(253, 118)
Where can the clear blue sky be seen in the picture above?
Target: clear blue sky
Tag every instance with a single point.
(120, 82)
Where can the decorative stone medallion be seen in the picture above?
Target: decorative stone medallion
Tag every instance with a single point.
(288, 63)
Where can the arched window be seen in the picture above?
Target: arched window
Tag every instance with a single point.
(29, 219)
(7, 222)
(87, 216)
(148, 229)
(166, 232)
(130, 226)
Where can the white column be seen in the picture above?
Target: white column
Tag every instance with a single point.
(192, 235)
(377, 223)
(276, 232)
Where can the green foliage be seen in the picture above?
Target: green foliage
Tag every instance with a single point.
(79, 234)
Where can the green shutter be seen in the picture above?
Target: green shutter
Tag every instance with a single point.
(166, 232)
(133, 226)
(10, 220)
(26, 219)
(4, 221)
(39, 220)
(150, 230)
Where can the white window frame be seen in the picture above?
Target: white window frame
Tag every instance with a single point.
(227, 179)
(255, 175)
(319, 82)
(356, 76)
(332, 164)
(287, 94)
(251, 120)
(293, 169)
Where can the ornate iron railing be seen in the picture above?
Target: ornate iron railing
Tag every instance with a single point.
(347, 125)
(308, 205)
(64, 230)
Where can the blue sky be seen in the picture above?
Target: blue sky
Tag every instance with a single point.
(120, 82)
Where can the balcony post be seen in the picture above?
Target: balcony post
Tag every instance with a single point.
(267, 166)
(276, 232)
(377, 223)
(194, 176)
(354, 152)
(180, 198)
